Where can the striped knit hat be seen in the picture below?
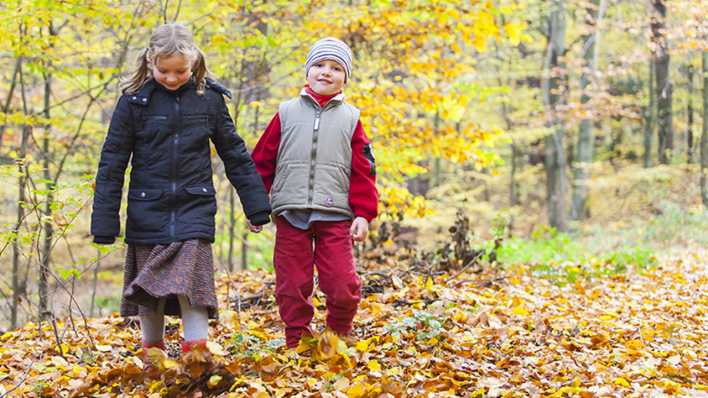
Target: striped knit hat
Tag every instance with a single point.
(331, 49)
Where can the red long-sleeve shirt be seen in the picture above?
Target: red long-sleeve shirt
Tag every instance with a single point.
(363, 196)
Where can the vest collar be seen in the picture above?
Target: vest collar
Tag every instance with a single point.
(337, 99)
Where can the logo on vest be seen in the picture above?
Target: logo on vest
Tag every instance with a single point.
(329, 201)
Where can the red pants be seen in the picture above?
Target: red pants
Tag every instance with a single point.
(328, 245)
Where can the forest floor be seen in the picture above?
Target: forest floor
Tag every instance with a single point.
(468, 330)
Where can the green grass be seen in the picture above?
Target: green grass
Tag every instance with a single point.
(565, 258)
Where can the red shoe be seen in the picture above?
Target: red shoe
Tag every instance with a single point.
(151, 360)
(188, 346)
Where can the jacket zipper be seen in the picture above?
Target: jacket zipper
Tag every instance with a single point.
(175, 144)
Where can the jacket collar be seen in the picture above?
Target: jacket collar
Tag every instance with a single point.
(142, 97)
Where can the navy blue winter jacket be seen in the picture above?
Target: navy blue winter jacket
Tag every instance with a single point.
(171, 194)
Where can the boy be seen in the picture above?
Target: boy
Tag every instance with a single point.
(317, 164)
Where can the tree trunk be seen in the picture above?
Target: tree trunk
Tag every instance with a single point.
(48, 225)
(244, 237)
(13, 83)
(663, 84)
(689, 112)
(649, 117)
(94, 283)
(704, 136)
(17, 289)
(554, 95)
(585, 137)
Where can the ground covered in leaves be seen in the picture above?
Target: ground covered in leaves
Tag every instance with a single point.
(466, 332)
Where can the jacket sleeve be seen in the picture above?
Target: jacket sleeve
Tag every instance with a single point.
(240, 169)
(116, 151)
(363, 196)
(265, 154)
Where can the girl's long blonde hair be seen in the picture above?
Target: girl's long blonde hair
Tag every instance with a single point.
(168, 39)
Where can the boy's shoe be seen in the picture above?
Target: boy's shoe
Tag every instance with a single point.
(348, 338)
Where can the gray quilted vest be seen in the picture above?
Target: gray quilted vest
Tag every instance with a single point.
(315, 155)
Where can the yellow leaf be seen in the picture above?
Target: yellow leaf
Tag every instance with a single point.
(429, 284)
(341, 384)
(358, 390)
(460, 316)
(362, 345)
(103, 347)
(514, 31)
(634, 345)
(258, 334)
(520, 310)
(216, 349)
(622, 382)
(374, 366)
(59, 362)
(170, 364)
(214, 381)
(316, 302)
(397, 371)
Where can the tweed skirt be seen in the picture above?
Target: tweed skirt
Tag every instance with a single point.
(156, 272)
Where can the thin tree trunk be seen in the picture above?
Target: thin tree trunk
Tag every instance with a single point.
(10, 93)
(585, 137)
(244, 237)
(663, 83)
(94, 284)
(650, 117)
(689, 112)
(435, 175)
(704, 136)
(17, 289)
(554, 93)
(43, 288)
(232, 193)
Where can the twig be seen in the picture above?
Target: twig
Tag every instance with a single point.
(19, 383)
(56, 332)
(473, 260)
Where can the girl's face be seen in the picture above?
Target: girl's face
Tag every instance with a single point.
(326, 77)
(172, 71)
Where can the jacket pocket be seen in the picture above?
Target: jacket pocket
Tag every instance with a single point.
(152, 124)
(146, 212)
(196, 125)
(200, 206)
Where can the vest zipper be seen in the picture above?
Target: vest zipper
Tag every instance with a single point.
(313, 157)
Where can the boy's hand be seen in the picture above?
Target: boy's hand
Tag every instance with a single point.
(254, 228)
(359, 229)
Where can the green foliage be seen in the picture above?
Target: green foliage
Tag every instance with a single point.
(423, 324)
(109, 303)
(565, 258)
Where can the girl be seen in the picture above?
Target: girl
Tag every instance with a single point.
(165, 118)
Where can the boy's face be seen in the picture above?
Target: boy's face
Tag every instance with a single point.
(326, 77)
(172, 71)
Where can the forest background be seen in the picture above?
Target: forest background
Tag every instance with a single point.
(570, 129)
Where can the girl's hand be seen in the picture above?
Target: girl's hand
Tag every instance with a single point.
(359, 229)
(254, 228)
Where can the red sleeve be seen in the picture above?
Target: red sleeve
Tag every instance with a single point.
(265, 153)
(363, 196)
